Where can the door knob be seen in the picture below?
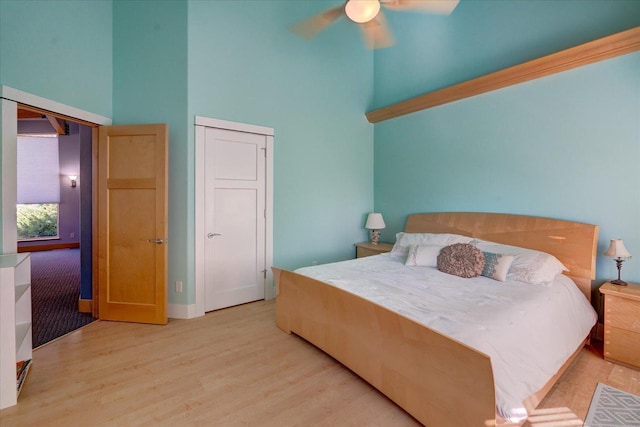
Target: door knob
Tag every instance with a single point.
(212, 235)
(157, 241)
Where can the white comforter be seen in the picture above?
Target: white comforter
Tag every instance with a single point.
(528, 330)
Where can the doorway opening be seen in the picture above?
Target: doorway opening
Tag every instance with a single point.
(59, 239)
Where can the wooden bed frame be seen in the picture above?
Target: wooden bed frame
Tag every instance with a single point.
(436, 379)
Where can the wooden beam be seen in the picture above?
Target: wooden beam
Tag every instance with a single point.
(56, 115)
(34, 113)
(56, 124)
(597, 50)
(24, 114)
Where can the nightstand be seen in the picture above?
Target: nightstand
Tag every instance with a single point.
(367, 249)
(622, 323)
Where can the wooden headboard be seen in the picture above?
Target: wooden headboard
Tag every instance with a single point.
(573, 243)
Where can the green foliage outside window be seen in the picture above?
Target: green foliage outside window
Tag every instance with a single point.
(37, 221)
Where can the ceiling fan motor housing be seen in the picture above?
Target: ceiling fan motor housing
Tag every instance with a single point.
(362, 11)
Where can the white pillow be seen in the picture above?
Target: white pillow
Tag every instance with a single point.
(423, 255)
(405, 240)
(496, 266)
(529, 266)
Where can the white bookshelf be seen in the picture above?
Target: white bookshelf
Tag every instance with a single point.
(15, 323)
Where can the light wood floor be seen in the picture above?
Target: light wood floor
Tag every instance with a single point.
(232, 367)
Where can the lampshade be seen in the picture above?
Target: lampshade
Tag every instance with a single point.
(617, 249)
(375, 221)
(362, 11)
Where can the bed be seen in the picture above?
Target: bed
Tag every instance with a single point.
(438, 379)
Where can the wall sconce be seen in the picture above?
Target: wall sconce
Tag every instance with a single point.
(375, 223)
(619, 252)
(73, 179)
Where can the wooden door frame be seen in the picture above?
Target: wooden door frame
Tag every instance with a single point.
(11, 98)
(201, 123)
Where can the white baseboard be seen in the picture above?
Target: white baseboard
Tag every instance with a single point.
(181, 311)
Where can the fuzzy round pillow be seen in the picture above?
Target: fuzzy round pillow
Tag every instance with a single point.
(461, 259)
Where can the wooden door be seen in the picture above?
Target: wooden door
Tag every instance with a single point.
(132, 223)
(235, 186)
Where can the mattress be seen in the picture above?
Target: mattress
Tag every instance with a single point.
(528, 330)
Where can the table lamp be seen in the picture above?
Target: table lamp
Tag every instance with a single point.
(375, 223)
(620, 253)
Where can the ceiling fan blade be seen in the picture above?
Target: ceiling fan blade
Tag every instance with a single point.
(441, 7)
(310, 27)
(376, 33)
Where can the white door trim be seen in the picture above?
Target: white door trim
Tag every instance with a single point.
(200, 124)
(9, 175)
(9, 106)
(227, 125)
(53, 106)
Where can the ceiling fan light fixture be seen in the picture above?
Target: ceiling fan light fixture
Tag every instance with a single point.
(362, 11)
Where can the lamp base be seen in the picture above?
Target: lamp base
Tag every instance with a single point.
(618, 282)
(375, 237)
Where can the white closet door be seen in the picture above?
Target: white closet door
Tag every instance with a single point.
(234, 217)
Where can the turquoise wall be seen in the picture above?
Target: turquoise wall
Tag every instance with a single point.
(480, 37)
(245, 66)
(140, 62)
(169, 61)
(565, 146)
(59, 50)
(240, 63)
(150, 86)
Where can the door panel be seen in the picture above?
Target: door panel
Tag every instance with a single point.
(129, 250)
(236, 260)
(132, 223)
(235, 218)
(235, 160)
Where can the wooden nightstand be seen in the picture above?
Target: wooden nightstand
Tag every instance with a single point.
(622, 323)
(367, 249)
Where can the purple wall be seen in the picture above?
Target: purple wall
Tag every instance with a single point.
(86, 236)
(69, 214)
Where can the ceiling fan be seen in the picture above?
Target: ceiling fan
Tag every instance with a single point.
(370, 18)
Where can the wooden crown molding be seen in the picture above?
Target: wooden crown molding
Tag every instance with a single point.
(597, 50)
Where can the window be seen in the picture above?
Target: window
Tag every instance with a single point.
(37, 221)
(38, 187)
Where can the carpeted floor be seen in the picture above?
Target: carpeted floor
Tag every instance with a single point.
(55, 289)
